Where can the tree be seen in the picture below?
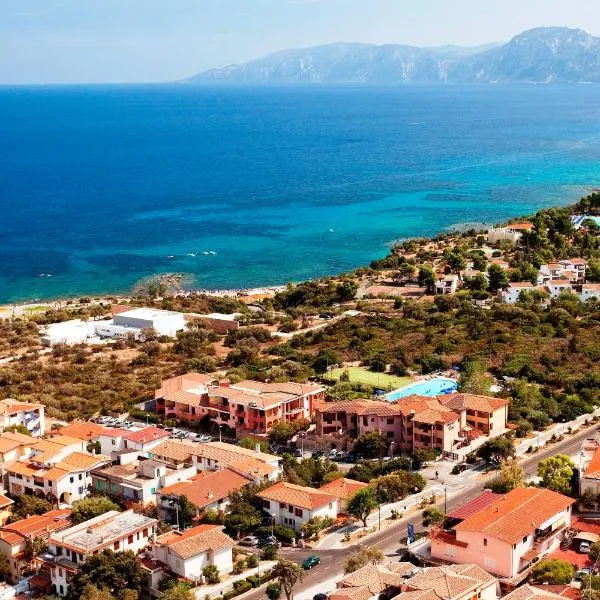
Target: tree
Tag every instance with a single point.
(273, 591)
(34, 546)
(512, 476)
(362, 504)
(288, 573)
(187, 511)
(91, 592)
(281, 432)
(474, 379)
(324, 361)
(211, 574)
(250, 444)
(91, 507)
(366, 555)
(245, 518)
(179, 591)
(497, 278)
(371, 445)
(422, 456)
(114, 572)
(595, 551)
(496, 450)
(427, 278)
(4, 568)
(17, 429)
(553, 571)
(27, 505)
(432, 516)
(556, 473)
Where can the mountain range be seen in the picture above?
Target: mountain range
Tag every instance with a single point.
(541, 55)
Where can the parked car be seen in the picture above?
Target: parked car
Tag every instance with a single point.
(584, 547)
(460, 468)
(268, 540)
(585, 572)
(320, 597)
(352, 456)
(298, 453)
(249, 540)
(312, 561)
(318, 454)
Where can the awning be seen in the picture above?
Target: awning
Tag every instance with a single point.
(587, 536)
(530, 555)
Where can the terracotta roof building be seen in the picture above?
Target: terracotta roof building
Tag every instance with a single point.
(293, 505)
(508, 535)
(186, 553)
(343, 488)
(29, 414)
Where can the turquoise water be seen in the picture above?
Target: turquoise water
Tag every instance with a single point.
(245, 187)
(429, 387)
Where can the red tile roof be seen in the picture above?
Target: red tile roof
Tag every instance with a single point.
(343, 488)
(297, 495)
(38, 525)
(83, 431)
(592, 471)
(196, 540)
(474, 506)
(516, 514)
(208, 489)
(148, 434)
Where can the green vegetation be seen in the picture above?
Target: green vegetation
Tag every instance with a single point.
(433, 516)
(287, 573)
(557, 473)
(362, 504)
(553, 571)
(365, 376)
(91, 507)
(366, 555)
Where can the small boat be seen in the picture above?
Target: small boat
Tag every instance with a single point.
(170, 257)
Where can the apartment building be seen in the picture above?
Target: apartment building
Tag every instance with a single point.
(446, 422)
(246, 407)
(572, 270)
(293, 505)
(205, 491)
(29, 414)
(14, 537)
(186, 553)
(64, 478)
(447, 284)
(137, 481)
(114, 530)
(213, 456)
(141, 440)
(507, 536)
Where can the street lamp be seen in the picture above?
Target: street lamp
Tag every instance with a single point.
(272, 524)
(220, 439)
(174, 504)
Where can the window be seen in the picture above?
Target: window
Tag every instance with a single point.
(145, 534)
(299, 512)
(71, 479)
(153, 490)
(80, 476)
(390, 421)
(113, 442)
(485, 541)
(61, 590)
(130, 539)
(99, 484)
(525, 538)
(59, 572)
(450, 550)
(390, 434)
(116, 545)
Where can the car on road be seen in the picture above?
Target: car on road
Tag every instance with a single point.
(312, 561)
(269, 540)
(457, 469)
(249, 540)
(585, 572)
(584, 548)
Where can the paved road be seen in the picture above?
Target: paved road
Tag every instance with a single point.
(391, 539)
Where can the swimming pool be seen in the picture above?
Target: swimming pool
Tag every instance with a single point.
(427, 387)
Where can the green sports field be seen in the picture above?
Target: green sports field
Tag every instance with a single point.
(361, 375)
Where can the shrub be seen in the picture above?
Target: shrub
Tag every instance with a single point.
(239, 567)
(273, 591)
(253, 580)
(252, 561)
(211, 574)
(241, 586)
(269, 552)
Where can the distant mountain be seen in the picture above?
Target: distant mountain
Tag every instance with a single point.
(541, 55)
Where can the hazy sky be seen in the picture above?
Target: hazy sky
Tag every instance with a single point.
(45, 41)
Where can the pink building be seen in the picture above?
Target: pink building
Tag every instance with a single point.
(246, 407)
(509, 535)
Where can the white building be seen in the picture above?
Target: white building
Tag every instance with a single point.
(114, 530)
(137, 321)
(71, 332)
(187, 553)
(557, 286)
(447, 285)
(142, 440)
(589, 291)
(48, 474)
(293, 505)
(511, 233)
(30, 415)
(510, 294)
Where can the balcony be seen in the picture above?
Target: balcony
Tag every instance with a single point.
(547, 534)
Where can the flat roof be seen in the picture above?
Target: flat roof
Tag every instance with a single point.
(148, 313)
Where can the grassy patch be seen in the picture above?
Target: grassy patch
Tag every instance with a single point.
(361, 375)
(36, 309)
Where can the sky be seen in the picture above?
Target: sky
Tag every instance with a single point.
(93, 41)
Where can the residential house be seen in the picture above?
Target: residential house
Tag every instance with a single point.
(64, 479)
(572, 270)
(186, 553)
(246, 407)
(205, 491)
(590, 478)
(138, 481)
(448, 284)
(445, 422)
(509, 535)
(15, 446)
(512, 292)
(212, 456)
(135, 322)
(293, 505)
(13, 537)
(141, 440)
(512, 233)
(557, 286)
(31, 415)
(372, 580)
(83, 430)
(544, 592)
(589, 291)
(114, 530)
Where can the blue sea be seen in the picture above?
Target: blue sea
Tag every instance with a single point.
(99, 185)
